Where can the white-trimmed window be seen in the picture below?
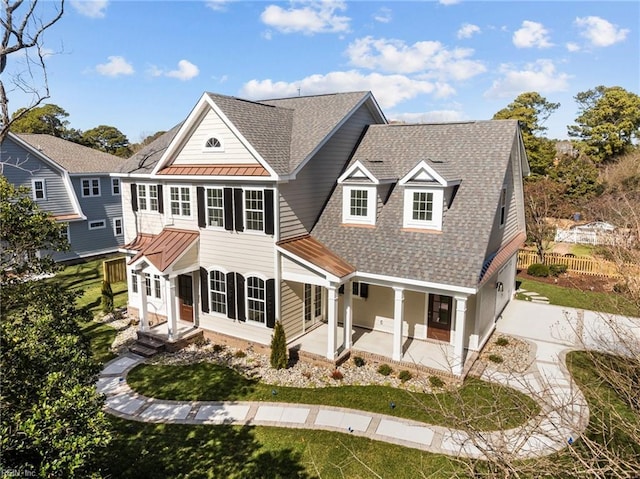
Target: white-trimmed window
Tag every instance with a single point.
(147, 284)
(423, 208)
(215, 207)
(134, 282)
(90, 187)
(153, 197)
(118, 228)
(180, 199)
(97, 224)
(256, 303)
(503, 206)
(218, 291)
(254, 210)
(156, 286)
(148, 197)
(39, 189)
(359, 204)
(143, 200)
(115, 186)
(213, 143)
(65, 233)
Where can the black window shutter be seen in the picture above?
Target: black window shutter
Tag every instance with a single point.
(134, 196)
(240, 296)
(228, 209)
(160, 200)
(202, 212)
(238, 208)
(204, 290)
(268, 212)
(271, 303)
(354, 288)
(364, 290)
(231, 295)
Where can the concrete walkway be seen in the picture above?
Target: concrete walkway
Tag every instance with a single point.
(552, 332)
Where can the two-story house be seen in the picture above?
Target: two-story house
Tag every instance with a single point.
(396, 241)
(73, 183)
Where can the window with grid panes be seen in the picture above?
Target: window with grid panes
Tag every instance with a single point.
(358, 203)
(180, 200)
(254, 210)
(218, 288)
(422, 206)
(255, 299)
(215, 207)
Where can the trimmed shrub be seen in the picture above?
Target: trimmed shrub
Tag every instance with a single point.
(539, 270)
(240, 354)
(278, 358)
(436, 382)
(385, 369)
(337, 375)
(495, 358)
(359, 361)
(107, 297)
(557, 269)
(502, 341)
(404, 375)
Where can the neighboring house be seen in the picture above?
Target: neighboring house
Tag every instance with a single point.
(73, 183)
(394, 241)
(594, 233)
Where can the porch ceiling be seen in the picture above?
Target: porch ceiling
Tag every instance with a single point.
(310, 250)
(164, 249)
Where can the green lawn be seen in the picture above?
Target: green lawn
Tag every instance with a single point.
(87, 276)
(574, 298)
(494, 406)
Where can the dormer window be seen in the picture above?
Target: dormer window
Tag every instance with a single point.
(423, 207)
(359, 204)
(213, 143)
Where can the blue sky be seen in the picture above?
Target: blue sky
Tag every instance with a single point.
(141, 66)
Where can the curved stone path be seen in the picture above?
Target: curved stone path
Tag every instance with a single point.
(564, 412)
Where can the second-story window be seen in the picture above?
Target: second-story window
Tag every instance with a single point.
(90, 187)
(153, 197)
(39, 190)
(359, 205)
(215, 207)
(180, 197)
(254, 210)
(115, 186)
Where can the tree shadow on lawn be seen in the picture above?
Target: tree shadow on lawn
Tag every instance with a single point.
(178, 451)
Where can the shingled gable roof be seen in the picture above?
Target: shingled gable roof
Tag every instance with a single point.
(283, 131)
(477, 153)
(71, 156)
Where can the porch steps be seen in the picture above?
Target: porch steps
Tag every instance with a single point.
(142, 350)
(147, 345)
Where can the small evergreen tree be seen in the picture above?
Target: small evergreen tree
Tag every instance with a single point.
(278, 347)
(107, 297)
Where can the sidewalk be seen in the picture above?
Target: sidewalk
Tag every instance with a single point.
(564, 412)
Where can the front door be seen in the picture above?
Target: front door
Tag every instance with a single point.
(185, 296)
(439, 321)
(313, 304)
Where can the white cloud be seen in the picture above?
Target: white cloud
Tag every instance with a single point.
(448, 2)
(313, 17)
(217, 5)
(383, 15)
(90, 8)
(467, 30)
(540, 76)
(116, 66)
(532, 34)
(599, 32)
(389, 90)
(430, 58)
(186, 71)
(572, 47)
(434, 116)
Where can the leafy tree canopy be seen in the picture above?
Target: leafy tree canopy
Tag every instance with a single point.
(49, 119)
(108, 139)
(608, 123)
(25, 229)
(532, 110)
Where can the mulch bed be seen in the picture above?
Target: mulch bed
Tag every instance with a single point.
(582, 282)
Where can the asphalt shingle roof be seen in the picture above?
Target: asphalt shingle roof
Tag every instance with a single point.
(71, 156)
(144, 160)
(477, 153)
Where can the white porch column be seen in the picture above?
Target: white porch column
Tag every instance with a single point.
(398, 318)
(332, 317)
(348, 319)
(170, 301)
(458, 345)
(142, 309)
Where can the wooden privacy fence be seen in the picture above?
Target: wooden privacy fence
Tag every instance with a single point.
(114, 270)
(577, 264)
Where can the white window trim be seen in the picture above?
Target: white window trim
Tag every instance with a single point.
(246, 299)
(113, 182)
(104, 225)
(157, 287)
(180, 215)
(213, 149)
(502, 210)
(133, 277)
(44, 188)
(90, 180)
(67, 233)
(206, 206)
(438, 204)
(372, 205)
(147, 197)
(115, 230)
(244, 211)
(210, 291)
